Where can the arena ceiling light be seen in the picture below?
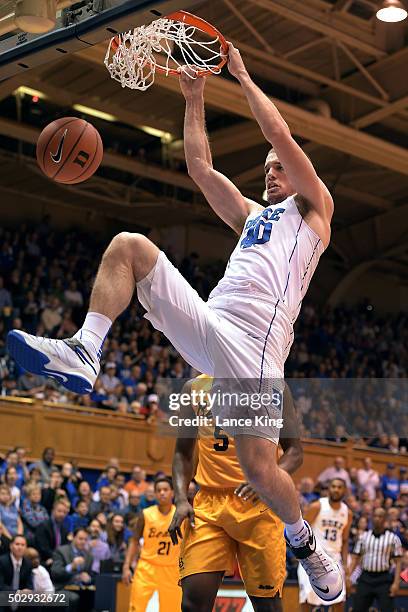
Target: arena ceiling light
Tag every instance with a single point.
(94, 112)
(28, 91)
(392, 11)
(165, 137)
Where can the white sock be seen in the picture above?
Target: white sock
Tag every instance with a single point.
(296, 530)
(95, 329)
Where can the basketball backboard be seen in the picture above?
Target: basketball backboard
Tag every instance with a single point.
(78, 26)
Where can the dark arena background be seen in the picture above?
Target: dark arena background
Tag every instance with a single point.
(338, 76)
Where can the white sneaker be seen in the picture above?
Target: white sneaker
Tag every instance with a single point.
(67, 361)
(324, 574)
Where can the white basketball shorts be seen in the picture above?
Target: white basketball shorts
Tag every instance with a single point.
(229, 338)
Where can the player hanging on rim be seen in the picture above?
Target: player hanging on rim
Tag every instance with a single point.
(330, 519)
(228, 521)
(245, 330)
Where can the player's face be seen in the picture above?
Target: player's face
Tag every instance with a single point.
(164, 493)
(336, 490)
(277, 184)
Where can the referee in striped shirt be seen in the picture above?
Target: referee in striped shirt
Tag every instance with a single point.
(374, 550)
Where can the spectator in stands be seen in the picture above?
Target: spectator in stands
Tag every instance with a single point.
(51, 315)
(72, 565)
(84, 493)
(109, 379)
(46, 464)
(107, 478)
(53, 490)
(307, 492)
(69, 481)
(32, 512)
(98, 548)
(15, 570)
(337, 470)
(103, 521)
(116, 538)
(133, 507)
(403, 481)
(41, 578)
(34, 476)
(137, 481)
(123, 495)
(104, 505)
(80, 518)
(73, 297)
(52, 533)
(21, 465)
(5, 296)
(30, 385)
(12, 460)
(11, 479)
(148, 498)
(368, 479)
(9, 516)
(390, 483)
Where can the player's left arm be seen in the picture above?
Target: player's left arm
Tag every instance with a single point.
(183, 468)
(345, 541)
(310, 189)
(289, 438)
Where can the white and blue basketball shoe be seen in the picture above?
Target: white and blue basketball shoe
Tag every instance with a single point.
(68, 361)
(324, 574)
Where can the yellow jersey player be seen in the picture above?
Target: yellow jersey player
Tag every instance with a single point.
(157, 567)
(228, 522)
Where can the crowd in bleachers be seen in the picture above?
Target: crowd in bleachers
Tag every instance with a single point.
(45, 282)
(63, 516)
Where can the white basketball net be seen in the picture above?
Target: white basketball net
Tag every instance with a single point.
(140, 51)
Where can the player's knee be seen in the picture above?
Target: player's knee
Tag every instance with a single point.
(259, 474)
(125, 246)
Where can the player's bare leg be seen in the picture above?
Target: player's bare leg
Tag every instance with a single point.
(74, 362)
(200, 591)
(266, 604)
(128, 259)
(275, 487)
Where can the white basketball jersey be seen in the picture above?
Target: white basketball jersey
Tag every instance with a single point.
(329, 526)
(274, 261)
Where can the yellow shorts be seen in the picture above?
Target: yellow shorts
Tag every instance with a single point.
(149, 578)
(228, 528)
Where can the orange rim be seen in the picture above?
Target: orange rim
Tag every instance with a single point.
(199, 23)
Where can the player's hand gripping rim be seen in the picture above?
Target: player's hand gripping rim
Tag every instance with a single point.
(184, 510)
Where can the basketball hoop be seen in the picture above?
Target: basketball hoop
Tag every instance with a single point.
(165, 45)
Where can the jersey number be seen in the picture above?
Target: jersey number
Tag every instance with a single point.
(220, 446)
(259, 229)
(330, 534)
(164, 548)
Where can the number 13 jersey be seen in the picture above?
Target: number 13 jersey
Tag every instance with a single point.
(329, 525)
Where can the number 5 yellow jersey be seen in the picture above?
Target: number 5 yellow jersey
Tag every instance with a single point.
(157, 546)
(218, 465)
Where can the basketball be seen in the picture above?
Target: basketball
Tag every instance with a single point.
(69, 150)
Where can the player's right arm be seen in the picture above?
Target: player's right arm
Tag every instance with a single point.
(133, 550)
(183, 470)
(222, 195)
